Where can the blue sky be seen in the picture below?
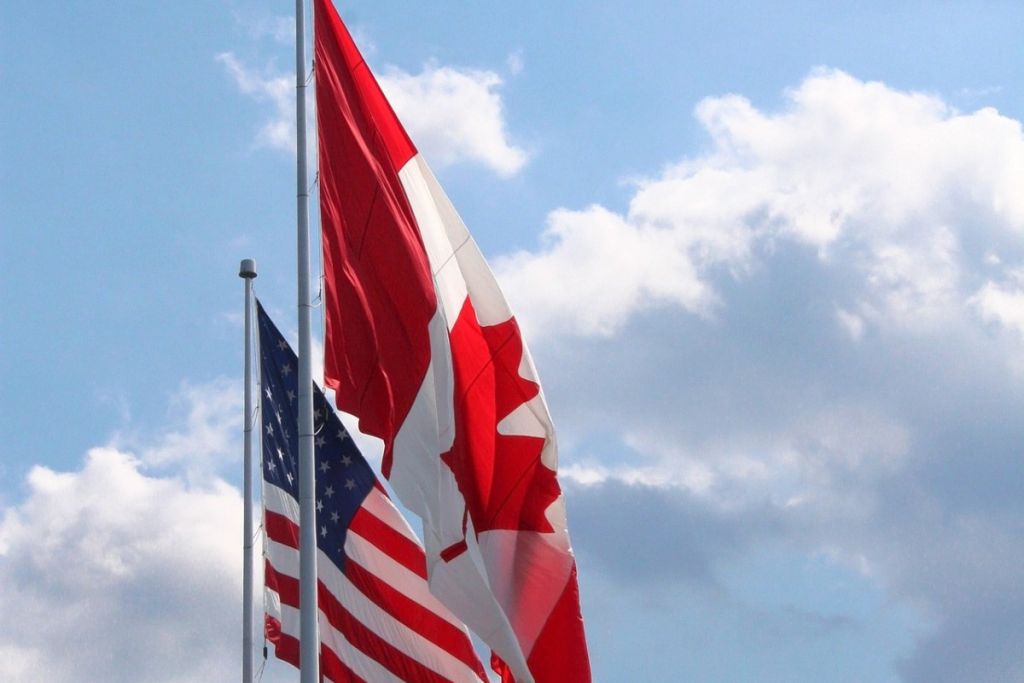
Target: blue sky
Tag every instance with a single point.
(770, 261)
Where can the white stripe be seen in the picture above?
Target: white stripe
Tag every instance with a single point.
(280, 501)
(395, 574)
(382, 507)
(365, 667)
(283, 558)
(390, 629)
(272, 603)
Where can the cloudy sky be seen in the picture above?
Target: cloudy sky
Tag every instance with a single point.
(769, 258)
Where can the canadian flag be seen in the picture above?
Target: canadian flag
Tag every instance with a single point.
(422, 348)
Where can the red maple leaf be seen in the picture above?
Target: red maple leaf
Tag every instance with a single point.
(501, 476)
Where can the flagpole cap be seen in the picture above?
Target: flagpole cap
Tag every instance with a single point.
(247, 269)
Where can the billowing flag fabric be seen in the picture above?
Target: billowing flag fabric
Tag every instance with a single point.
(422, 347)
(378, 620)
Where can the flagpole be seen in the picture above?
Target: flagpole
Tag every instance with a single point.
(247, 271)
(309, 641)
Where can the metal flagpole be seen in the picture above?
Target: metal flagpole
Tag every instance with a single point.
(247, 271)
(309, 641)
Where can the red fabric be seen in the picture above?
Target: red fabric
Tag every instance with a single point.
(398, 547)
(378, 292)
(281, 529)
(286, 648)
(560, 654)
(286, 587)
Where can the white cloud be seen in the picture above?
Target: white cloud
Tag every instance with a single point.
(884, 186)
(454, 115)
(113, 575)
(273, 88)
(515, 63)
(1003, 304)
(597, 268)
(852, 323)
(825, 461)
(206, 431)
(801, 339)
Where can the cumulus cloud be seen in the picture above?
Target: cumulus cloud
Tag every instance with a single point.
(113, 575)
(129, 568)
(454, 115)
(1002, 303)
(808, 338)
(892, 189)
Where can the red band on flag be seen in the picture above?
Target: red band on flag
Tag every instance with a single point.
(378, 293)
(400, 548)
(281, 530)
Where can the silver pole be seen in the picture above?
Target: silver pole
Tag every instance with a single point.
(247, 271)
(309, 641)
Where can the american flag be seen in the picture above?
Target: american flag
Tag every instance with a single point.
(378, 620)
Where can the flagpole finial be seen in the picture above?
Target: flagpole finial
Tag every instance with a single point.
(247, 269)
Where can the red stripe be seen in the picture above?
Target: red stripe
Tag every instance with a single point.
(372, 645)
(281, 529)
(393, 543)
(287, 587)
(286, 648)
(335, 669)
(454, 550)
(414, 615)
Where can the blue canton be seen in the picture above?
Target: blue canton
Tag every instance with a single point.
(343, 477)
